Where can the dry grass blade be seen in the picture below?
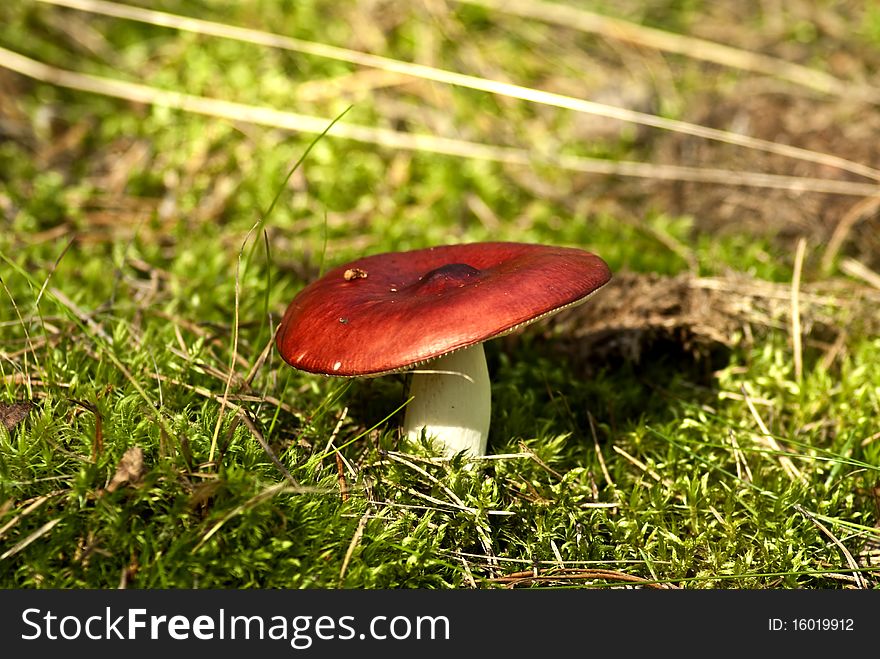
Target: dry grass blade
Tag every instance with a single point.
(246, 398)
(84, 318)
(27, 334)
(261, 359)
(81, 315)
(796, 310)
(857, 575)
(355, 540)
(98, 441)
(460, 80)
(536, 577)
(641, 465)
(335, 432)
(341, 462)
(399, 458)
(384, 137)
(605, 474)
(456, 502)
(858, 269)
(538, 461)
(770, 441)
(265, 495)
(861, 210)
(340, 477)
(36, 535)
(693, 47)
(28, 509)
(469, 575)
(234, 347)
(743, 472)
(538, 563)
(246, 419)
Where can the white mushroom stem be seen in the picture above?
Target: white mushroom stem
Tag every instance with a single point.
(452, 402)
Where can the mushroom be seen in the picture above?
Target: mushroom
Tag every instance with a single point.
(429, 310)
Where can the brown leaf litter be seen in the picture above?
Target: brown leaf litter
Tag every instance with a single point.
(130, 470)
(11, 414)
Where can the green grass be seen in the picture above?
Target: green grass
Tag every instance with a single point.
(141, 222)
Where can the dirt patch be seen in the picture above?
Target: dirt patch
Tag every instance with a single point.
(637, 317)
(842, 129)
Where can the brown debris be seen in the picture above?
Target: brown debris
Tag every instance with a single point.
(98, 441)
(636, 314)
(354, 273)
(568, 575)
(11, 414)
(130, 469)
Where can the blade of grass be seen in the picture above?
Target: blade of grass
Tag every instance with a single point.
(365, 432)
(860, 579)
(255, 230)
(797, 348)
(260, 226)
(36, 535)
(769, 440)
(27, 335)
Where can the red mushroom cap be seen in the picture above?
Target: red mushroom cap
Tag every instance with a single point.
(390, 312)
